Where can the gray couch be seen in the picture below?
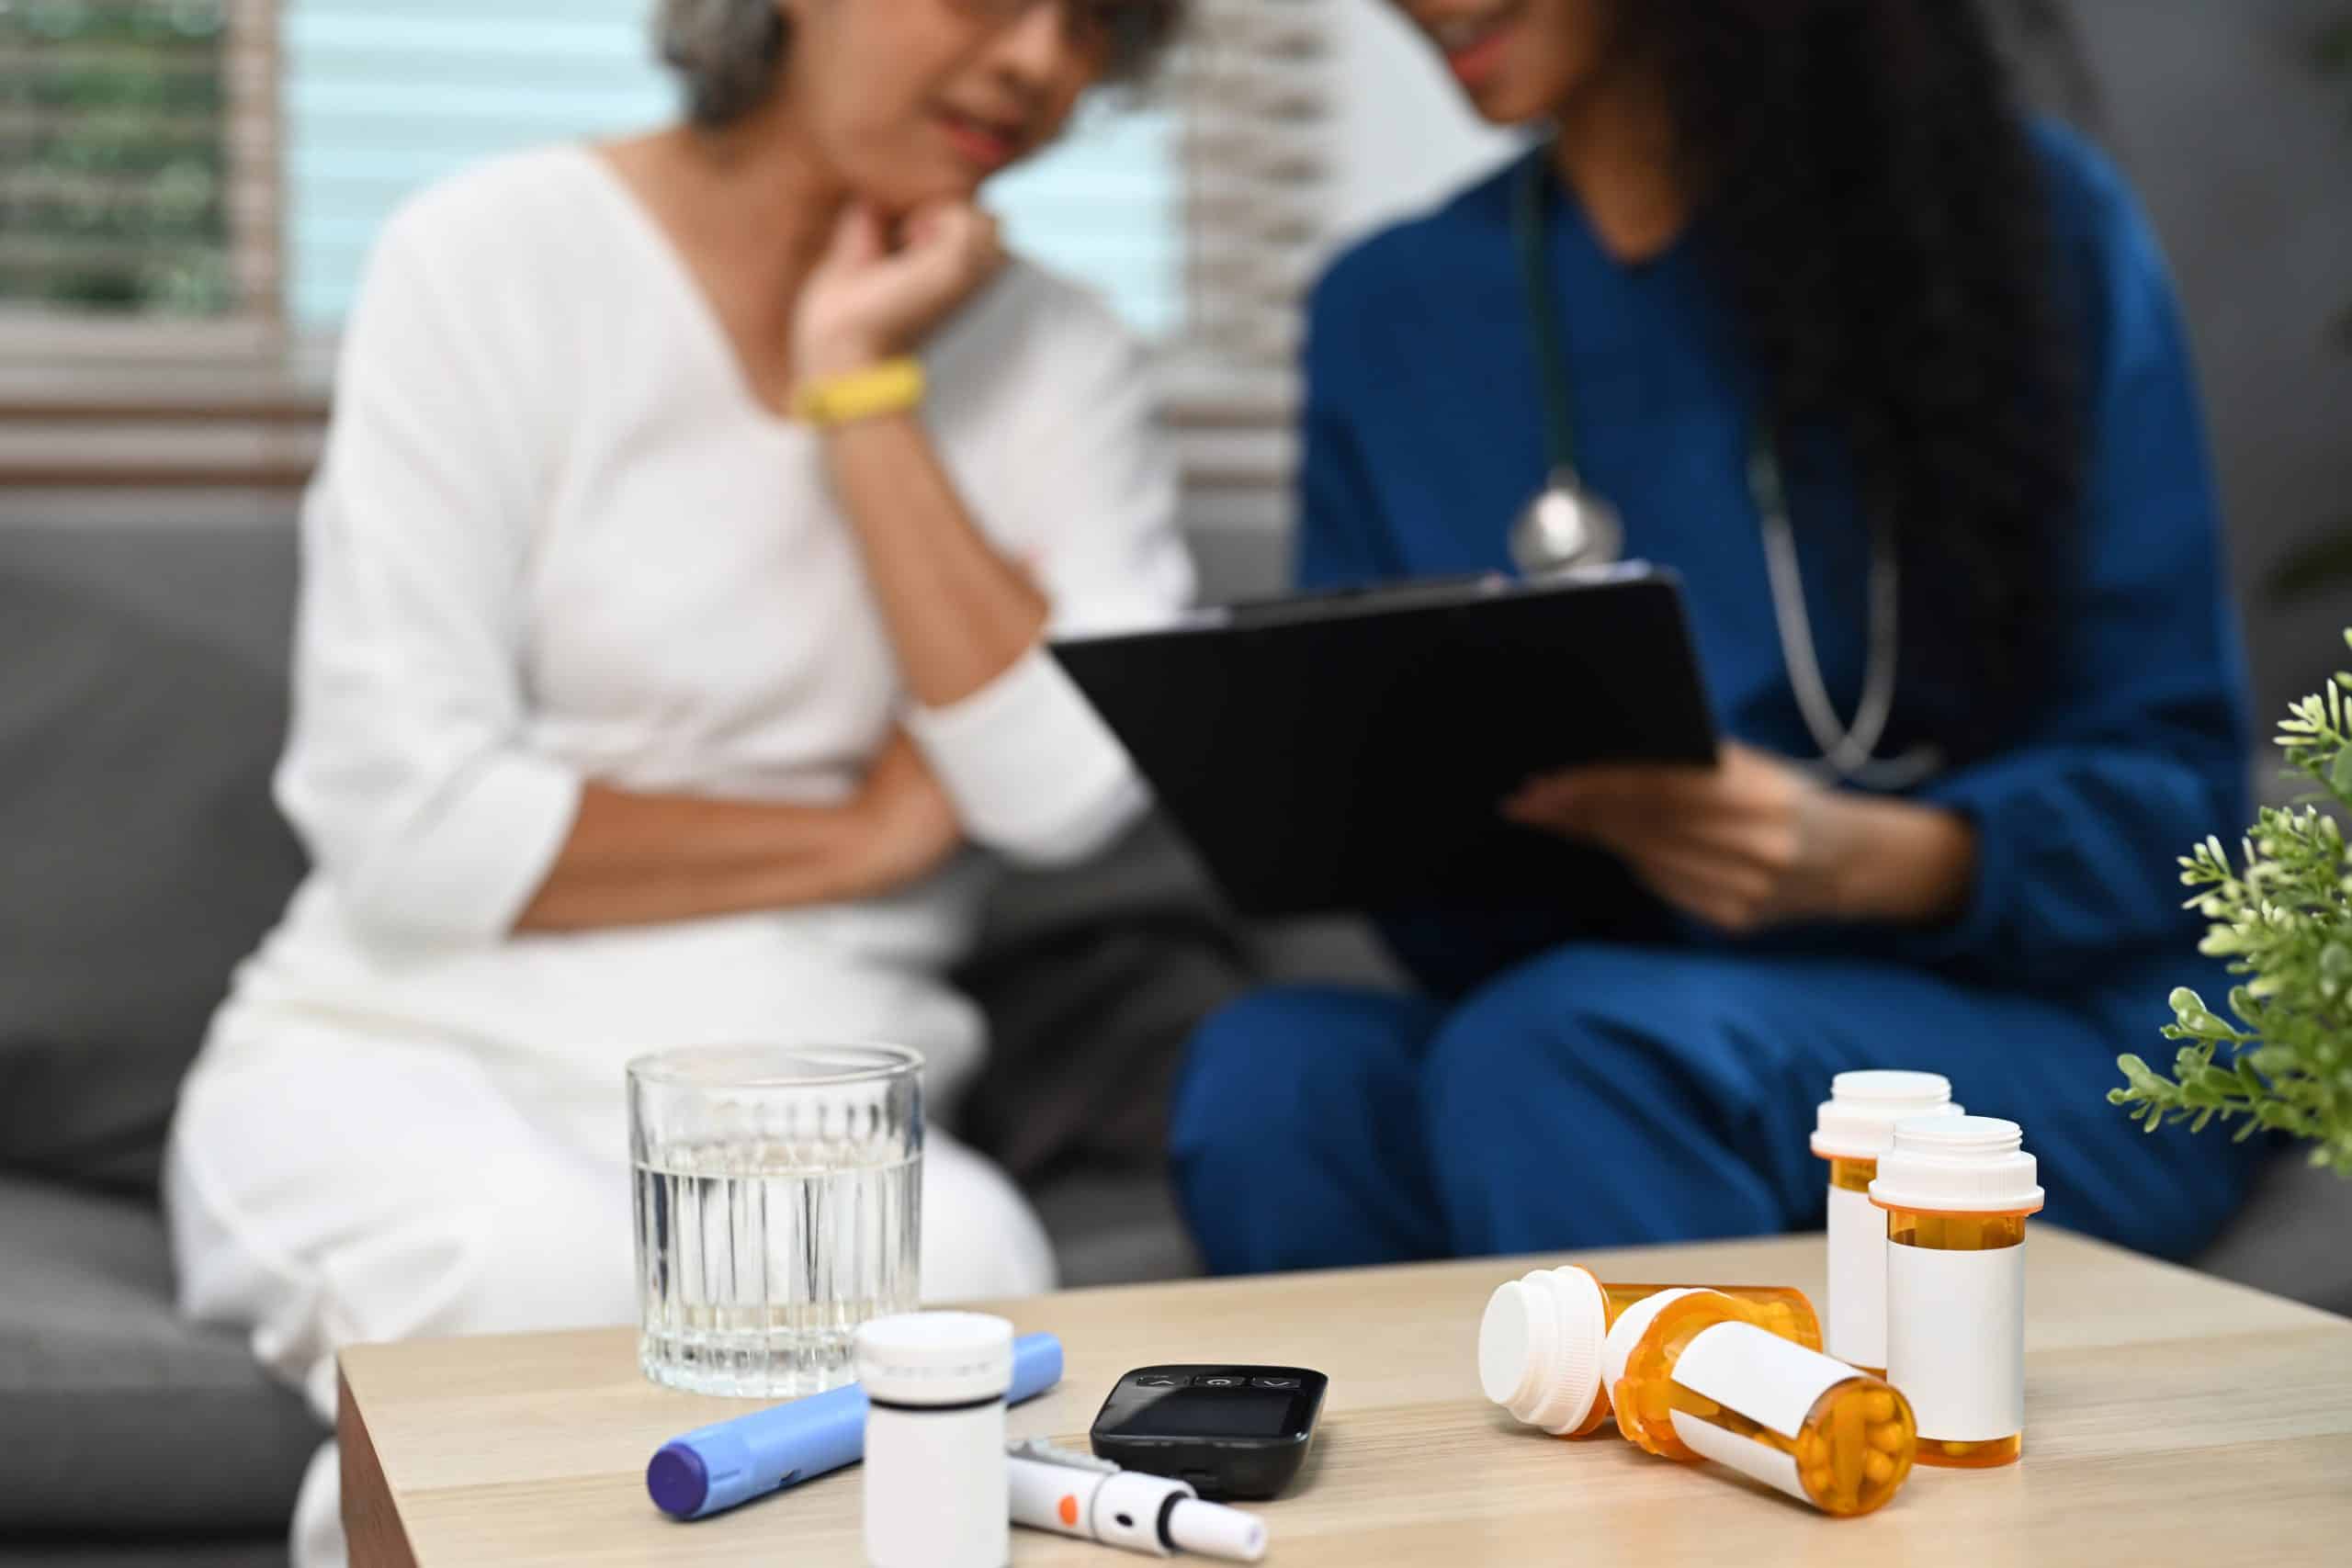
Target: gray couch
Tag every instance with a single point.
(138, 725)
(142, 711)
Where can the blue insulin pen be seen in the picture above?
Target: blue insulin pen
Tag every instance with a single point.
(712, 1468)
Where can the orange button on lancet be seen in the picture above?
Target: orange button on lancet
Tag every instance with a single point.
(1068, 1510)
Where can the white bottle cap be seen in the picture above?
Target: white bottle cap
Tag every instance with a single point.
(936, 1358)
(1858, 1119)
(1539, 1347)
(1957, 1165)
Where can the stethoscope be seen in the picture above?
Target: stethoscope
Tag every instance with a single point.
(1569, 528)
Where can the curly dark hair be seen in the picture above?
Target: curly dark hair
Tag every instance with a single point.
(1876, 212)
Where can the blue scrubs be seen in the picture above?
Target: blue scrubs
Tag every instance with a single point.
(1596, 1094)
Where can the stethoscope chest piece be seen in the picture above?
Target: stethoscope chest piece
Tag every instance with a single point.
(1566, 528)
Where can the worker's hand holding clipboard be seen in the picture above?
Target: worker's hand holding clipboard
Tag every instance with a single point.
(1352, 752)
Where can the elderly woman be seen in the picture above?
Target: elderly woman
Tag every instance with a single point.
(667, 630)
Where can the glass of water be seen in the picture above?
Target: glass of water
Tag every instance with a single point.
(779, 1206)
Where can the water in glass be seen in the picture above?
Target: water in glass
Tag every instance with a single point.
(771, 1219)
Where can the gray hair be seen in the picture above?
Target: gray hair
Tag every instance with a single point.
(726, 53)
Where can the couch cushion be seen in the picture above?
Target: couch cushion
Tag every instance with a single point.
(2290, 1237)
(1092, 976)
(1110, 1228)
(139, 724)
(117, 1418)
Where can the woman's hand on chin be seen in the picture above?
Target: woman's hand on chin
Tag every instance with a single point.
(906, 827)
(870, 299)
(1755, 842)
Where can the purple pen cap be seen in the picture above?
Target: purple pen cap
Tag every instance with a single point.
(678, 1480)
(714, 1468)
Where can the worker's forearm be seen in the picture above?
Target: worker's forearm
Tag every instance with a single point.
(959, 613)
(1898, 861)
(644, 859)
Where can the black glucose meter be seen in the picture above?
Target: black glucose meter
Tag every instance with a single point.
(1230, 1431)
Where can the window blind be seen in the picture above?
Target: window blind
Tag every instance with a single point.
(1255, 93)
(114, 157)
(379, 102)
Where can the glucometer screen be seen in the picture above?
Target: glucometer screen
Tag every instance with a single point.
(1207, 1413)
(1232, 1431)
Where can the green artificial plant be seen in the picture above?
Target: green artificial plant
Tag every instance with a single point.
(2283, 920)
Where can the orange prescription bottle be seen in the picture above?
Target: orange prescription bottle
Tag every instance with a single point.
(1700, 1380)
(1540, 1343)
(1850, 1130)
(1957, 1190)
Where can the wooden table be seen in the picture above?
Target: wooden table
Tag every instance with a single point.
(2171, 1418)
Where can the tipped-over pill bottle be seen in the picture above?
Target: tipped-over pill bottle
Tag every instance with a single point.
(1850, 1130)
(1957, 1190)
(1540, 1342)
(1700, 1380)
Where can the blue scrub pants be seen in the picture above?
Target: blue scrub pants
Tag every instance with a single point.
(1599, 1096)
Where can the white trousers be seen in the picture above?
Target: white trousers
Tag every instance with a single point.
(330, 1184)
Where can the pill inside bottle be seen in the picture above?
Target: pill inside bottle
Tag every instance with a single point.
(1700, 1380)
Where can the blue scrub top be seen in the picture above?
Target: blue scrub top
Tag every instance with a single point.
(1424, 440)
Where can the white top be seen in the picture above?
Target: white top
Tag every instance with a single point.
(555, 538)
(1858, 1120)
(1957, 1165)
(934, 1358)
(1539, 1347)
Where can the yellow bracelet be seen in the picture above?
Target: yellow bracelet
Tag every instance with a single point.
(892, 387)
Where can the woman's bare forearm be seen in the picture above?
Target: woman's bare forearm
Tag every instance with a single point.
(646, 859)
(959, 613)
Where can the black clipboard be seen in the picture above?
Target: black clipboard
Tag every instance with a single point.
(1349, 752)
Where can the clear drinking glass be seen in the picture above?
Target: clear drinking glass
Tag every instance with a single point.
(779, 1206)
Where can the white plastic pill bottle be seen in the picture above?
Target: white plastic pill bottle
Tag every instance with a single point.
(1852, 1129)
(1957, 1190)
(936, 1483)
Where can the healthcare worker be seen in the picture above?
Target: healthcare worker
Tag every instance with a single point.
(664, 641)
(1893, 378)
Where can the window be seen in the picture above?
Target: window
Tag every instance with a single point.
(137, 188)
(382, 100)
(117, 185)
(227, 164)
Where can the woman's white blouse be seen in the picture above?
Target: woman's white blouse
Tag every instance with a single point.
(554, 538)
